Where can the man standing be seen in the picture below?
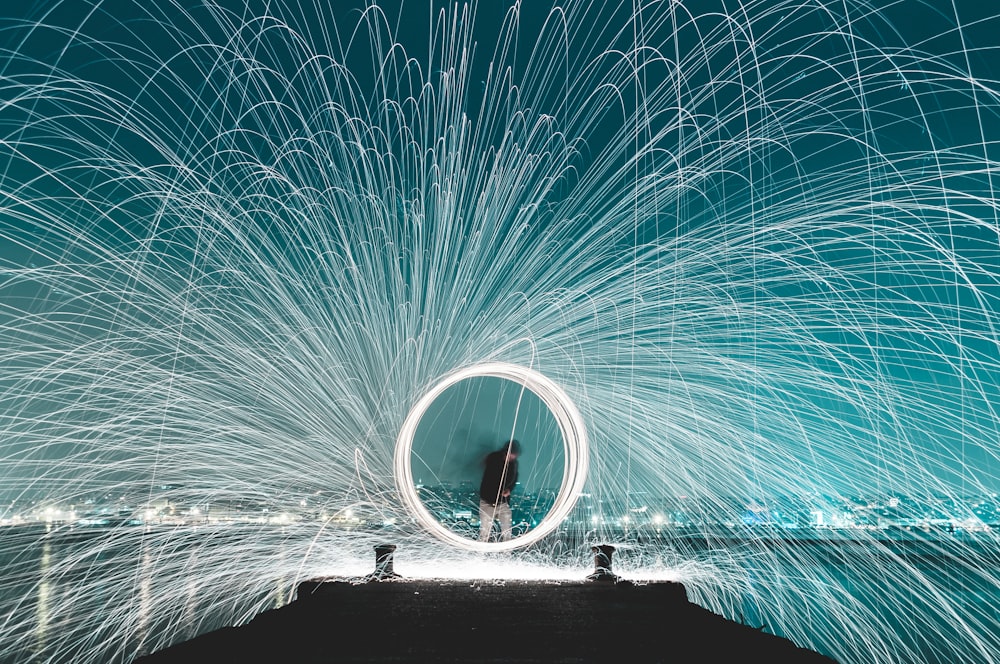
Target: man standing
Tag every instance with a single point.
(499, 478)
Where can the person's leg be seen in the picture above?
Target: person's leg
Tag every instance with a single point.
(505, 518)
(486, 514)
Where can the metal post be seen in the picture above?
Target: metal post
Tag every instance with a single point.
(383, 563)
(602, 563)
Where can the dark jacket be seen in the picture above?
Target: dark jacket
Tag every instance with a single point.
(495, 480)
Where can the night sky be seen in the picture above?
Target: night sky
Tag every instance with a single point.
(475, 418)
(218, 241)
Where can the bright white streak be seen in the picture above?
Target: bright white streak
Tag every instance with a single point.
(574, 437)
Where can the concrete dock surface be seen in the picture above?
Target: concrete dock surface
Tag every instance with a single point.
(399, 620)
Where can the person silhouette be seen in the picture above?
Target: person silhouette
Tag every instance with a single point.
(499, 479)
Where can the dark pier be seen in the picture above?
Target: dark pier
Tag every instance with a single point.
(385, 618)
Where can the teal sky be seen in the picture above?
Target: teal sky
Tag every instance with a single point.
(769, 232)
(475, 417)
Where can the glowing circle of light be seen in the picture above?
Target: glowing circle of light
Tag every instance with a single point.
(575, 460)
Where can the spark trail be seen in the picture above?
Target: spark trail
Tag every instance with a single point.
(755, 243)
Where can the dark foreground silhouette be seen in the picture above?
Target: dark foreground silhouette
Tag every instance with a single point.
(404, 621)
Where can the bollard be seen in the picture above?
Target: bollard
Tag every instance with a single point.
(383, 563)
(602, 563)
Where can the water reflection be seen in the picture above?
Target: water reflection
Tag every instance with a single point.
(189, 614)
(107, 595)
(42, 609)
(145, 603)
